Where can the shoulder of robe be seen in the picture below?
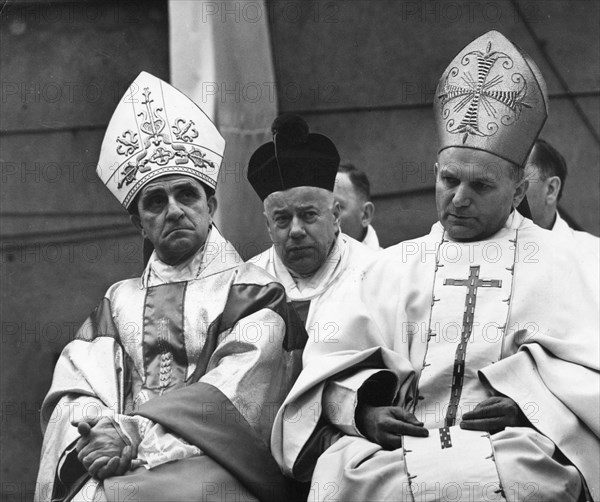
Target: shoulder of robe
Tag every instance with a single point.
(250, 273)
(261, 260)
(126, 287)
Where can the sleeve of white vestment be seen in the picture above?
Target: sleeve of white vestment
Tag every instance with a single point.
(340, 398)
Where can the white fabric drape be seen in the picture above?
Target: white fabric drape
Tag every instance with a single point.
(221, 58)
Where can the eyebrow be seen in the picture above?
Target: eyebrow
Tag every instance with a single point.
(448, 169)
(454, 173)
(151, 191)
(177, 185)
(307, 207)
(185, 183)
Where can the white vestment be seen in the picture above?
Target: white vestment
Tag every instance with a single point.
(513, 315)
(588, 243)
(371, 240)
(346, 257)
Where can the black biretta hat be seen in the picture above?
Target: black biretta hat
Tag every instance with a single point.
(294, 158)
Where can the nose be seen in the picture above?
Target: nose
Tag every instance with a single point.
(297, 228)
(461, 196)
(174, 212)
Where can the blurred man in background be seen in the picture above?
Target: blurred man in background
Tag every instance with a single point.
(546, 170)
(353, 193)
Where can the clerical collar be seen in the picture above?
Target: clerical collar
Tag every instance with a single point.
(513, 221)
(509, 220)
(157, 272)
(371, 240)
(300, 288)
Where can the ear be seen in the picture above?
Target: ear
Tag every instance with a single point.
(367, 214)
(137, 223)
(212, 205)
(552, 190)
(337, 212)
(520, 191)
(268, 225)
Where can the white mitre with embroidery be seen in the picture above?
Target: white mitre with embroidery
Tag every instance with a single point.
(156, 130)
(492, 97)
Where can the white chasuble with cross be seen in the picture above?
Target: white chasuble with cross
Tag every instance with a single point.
(468, 317)
(470, 304)
(513, 315)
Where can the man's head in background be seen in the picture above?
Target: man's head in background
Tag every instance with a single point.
(353, 193)
(294, 176)
(546, 171)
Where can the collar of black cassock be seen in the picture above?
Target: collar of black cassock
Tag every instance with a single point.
(294, 158)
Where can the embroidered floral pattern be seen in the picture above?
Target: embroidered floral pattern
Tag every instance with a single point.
(158, 148)
(472, 104)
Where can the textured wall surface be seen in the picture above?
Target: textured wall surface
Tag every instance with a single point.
(64, 66)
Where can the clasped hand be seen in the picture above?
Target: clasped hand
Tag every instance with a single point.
(101, 449)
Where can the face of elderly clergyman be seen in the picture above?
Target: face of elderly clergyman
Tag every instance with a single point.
(174, 213)
(303, 223)
(475, 192)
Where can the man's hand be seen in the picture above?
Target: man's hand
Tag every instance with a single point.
(493, 415)
(101, 448)
(385, 425)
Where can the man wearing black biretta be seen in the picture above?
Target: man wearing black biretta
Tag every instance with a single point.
(294, 175)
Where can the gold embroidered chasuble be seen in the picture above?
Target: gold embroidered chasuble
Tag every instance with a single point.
(212, 331)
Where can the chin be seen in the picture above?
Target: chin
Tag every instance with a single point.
(462, 234)
(182, 249)
(464, 238)
(303, 268)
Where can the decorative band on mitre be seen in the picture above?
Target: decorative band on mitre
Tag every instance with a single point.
(492, 97)
(155, 131)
